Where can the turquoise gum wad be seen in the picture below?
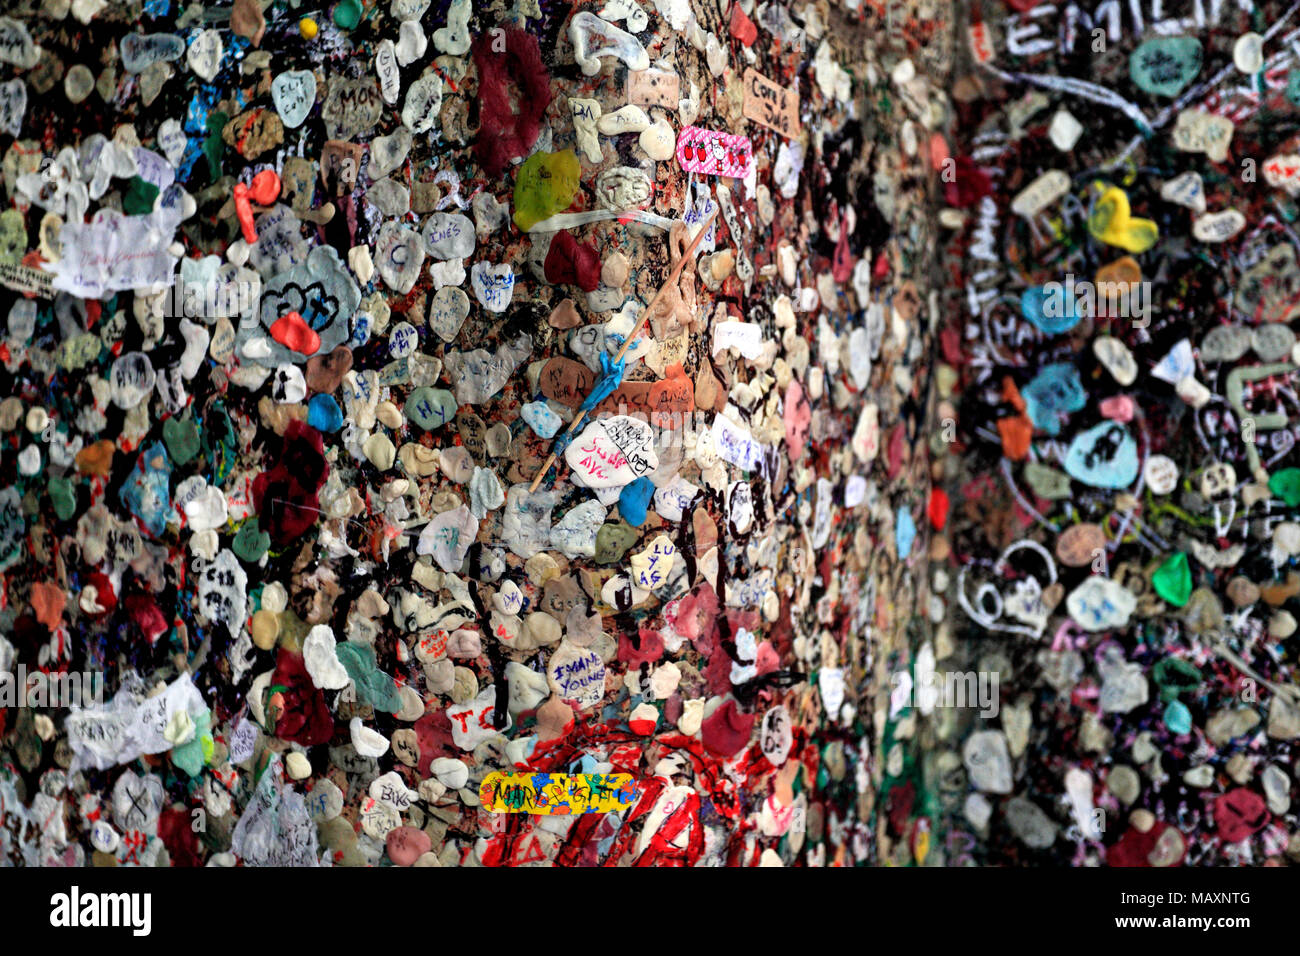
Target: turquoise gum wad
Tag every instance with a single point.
(1054, 393)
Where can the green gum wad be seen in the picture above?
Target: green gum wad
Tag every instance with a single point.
(1173, 580)
(1286, 485)
(139, 197)
(612, 541)
(251, 542)
(1174, 676)
(64, 497)
(545, 185)
(348, 14)
(13, 236)
(182, 439)
(1165, 66)
(373, 686)
(196, 752)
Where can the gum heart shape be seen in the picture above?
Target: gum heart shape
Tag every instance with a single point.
(611, 453)
(172, 141)
(546, 184)
(430, 408)
(569, 262)
(479, 374)
(1164, 66)
(204, 56)
(1177, 365)
(389, 152)
(321, 290)
(448, 310)
(1111, 222)
(137, 800)
(448, 537)
(1104, 456)
(182, 439)
(575, 533)
(494, 285)
(1186, 189)
(251, 542)
(399, 254)
(351, 107)
(294, 94)
(293, 333)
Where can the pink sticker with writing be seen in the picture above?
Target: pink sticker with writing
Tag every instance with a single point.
(713, 153)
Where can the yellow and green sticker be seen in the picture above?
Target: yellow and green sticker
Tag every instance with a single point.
(557, 793)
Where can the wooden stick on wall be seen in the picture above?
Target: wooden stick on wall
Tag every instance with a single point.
(636, 330)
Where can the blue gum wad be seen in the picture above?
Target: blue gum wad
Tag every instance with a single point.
(1104, 456)
(904, 533)
(541, 419)
(634, 499)
(146, 492)
(1050, 310)
(1178, 718)
(324, 414)
(1053, 394)
(374, 687)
